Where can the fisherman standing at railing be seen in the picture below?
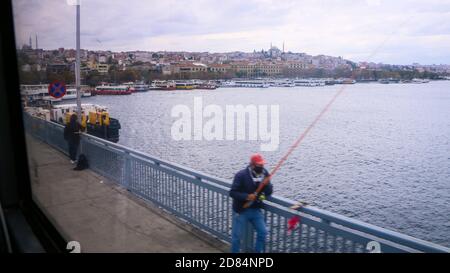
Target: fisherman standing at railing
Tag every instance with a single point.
(72, 136)
(243, 190)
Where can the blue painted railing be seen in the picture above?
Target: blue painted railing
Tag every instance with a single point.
(203, 201)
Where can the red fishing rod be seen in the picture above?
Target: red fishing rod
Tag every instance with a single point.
(293, 147)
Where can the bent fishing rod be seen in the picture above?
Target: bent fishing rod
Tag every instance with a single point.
(266, 180)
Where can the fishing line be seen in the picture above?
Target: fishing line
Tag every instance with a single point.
(324, 110)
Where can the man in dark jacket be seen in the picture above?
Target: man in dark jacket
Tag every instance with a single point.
(72, 136)
(243, 189)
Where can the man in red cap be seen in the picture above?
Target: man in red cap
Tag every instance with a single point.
(242, 190)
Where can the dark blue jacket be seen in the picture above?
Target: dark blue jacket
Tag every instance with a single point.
(243, 185)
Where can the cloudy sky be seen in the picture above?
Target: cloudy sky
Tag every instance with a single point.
(398, 32)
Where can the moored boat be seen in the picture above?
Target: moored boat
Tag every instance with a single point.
(112, 90)
(251, 83)
(94, 118)
(164, 85)
(182, 85)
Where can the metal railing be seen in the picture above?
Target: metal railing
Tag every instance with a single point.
(203, 201)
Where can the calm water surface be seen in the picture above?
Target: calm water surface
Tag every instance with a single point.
(381, 154)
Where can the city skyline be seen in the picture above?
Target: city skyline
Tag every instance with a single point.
(358, 31)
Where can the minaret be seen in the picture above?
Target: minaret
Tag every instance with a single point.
(30, 42)
(270, 50)
(36, 42)
(283, 46)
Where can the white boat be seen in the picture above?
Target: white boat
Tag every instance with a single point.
(309, 82)
(86, 93)
(112, 90)
(284, 83)
(228, 84)
(163, 85)
(71, 94)
(415, 80)
(35, 93)
(251, 84)
(141, 87)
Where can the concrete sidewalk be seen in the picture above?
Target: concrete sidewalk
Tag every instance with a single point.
(102, 216)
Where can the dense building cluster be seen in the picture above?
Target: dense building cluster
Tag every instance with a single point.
(162, 64)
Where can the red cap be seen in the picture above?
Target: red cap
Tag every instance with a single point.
(257, 159)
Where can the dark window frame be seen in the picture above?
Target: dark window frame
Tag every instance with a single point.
(28, 227)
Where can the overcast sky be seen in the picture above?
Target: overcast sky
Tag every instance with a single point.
(397, 32)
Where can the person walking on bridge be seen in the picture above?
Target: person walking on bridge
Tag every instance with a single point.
(243, 190)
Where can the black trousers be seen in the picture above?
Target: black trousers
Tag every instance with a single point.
(73, 148)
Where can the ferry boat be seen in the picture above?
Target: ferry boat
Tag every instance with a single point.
(112, 90)
(152, 87)
(130, 85)
(206, 85)
(184, 85)
(309, 82)
(137, 86)
(164, 85)
(251, 84)
(283, 83)
(348, 81)
(84, 89)
(86, 93)
(71, 94)
(388, 81)
(415, 80)
(141, 87)
(228, 84)
(36, 95)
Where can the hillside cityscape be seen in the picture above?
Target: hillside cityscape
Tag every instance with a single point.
(38, 65)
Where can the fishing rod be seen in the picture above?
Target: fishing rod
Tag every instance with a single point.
(294, 220)
(266, 180)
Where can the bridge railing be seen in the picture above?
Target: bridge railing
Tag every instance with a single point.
(203, 201)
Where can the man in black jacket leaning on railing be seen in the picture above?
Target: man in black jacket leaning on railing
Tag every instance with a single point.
(243, 189)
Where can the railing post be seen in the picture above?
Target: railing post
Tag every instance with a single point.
(46, 130)
(325, 242)
(127, 170)
(247, 244)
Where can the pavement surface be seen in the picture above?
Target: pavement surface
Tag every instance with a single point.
(103, 217)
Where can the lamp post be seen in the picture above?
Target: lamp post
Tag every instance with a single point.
(77, 64)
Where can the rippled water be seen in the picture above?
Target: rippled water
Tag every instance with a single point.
(381, 154)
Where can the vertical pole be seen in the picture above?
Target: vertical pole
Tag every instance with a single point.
(77, 65)
(127, 170)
